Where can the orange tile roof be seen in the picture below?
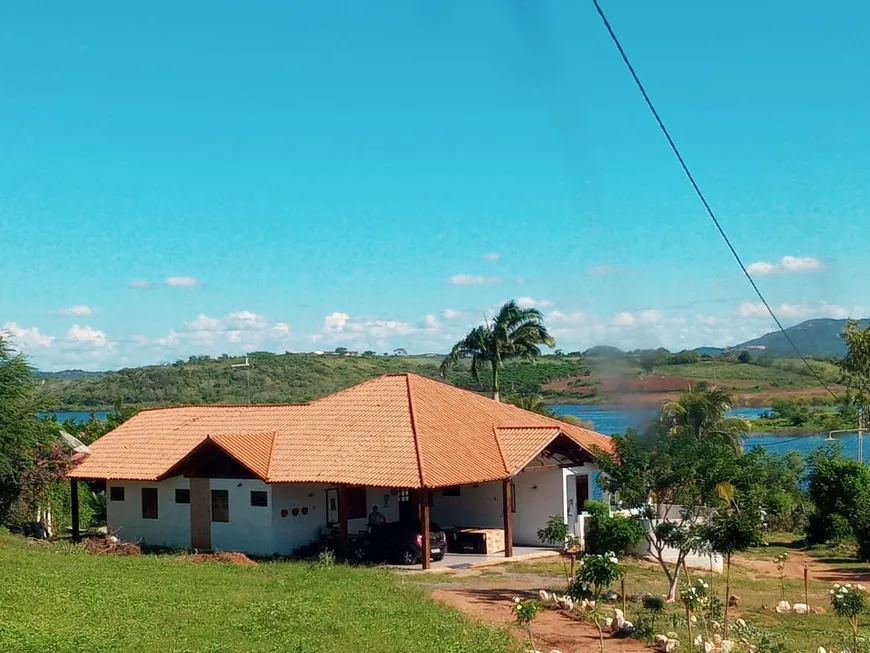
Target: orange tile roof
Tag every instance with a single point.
(399, 430)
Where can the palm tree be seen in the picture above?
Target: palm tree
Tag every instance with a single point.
(514, 333)
(535, 404)
(702, 412)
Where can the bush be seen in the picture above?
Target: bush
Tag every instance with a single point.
(611, 533)
(832, 528)
(840, 489)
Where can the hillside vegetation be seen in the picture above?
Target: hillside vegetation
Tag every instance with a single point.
(596, 377)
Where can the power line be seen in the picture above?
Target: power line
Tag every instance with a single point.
(701, 196)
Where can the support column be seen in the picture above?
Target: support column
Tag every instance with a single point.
(508, 518)
(343, 538)
(74, 509)
(426, 530)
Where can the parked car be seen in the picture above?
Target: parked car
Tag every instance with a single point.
(401, 543)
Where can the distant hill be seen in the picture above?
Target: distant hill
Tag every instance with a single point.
(67, 375)
(278, 378)
(709, 351)
(819, 338)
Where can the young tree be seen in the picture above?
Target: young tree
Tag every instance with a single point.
(514, 333)
(672, 477)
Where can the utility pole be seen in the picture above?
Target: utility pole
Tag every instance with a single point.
(247, 366)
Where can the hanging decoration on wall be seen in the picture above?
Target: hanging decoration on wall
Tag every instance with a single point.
(386, 501)
(304, 510)
(284, 512)
(295, 512)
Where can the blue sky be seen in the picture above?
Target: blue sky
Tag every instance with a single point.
(208, 177)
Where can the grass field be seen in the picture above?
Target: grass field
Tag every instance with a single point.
(59, 598)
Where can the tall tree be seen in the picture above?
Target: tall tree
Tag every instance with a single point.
(701, 412)
(514, 333)
(21, 433)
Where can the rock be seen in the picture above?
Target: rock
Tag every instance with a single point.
(708, 647)
(611, 596)
(618, 619)
(555, 650)
(801, 608)
(726, 646)
(733, 601)
(783, 607)
(545, 596)
(608, 623)
(821, 650)
(699, 639)
(693, 619)
(715, 625)
(672, 646)
(627, 628)
(660, 642)
(819, 610)
(740, 623)
(673, 635)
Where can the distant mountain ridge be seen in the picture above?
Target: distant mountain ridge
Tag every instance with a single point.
(819, 338)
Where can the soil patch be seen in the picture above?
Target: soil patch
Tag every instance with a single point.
(110, 545)
(231, 557)
(551, 630)
(817, 569)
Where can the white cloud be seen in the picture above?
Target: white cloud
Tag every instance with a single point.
(27, 338)
(237, 332)
(491, 256)
(603, 270)
(204, 323)
(450, 314)
(139, 283)
(707, 320)
(181, 282)
(79, 310)
(786, 265)
(796, 311)
(335, 321)
(650, 316)
(430, 322)
(530, 302)
(86, 335)
(568, 318)
(623, 319)
(472, 280)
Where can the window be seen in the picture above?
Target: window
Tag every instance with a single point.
(259, 498)
(182, 496)
(220, 505)
(149, 503)
(452, 491)
(356, 503)
(404, 496)
(116, 493)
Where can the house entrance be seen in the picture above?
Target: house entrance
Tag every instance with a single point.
(582, 492)
(407, 508)
(200, 513)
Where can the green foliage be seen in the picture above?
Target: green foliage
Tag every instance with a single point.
(555, 533)
(611, 533)
(526, 611)
(61, 599)
(779, 478)
(840, 490)
(28, 459)
(856, 364)
(514, 333)
(595, 573)
(696, 596)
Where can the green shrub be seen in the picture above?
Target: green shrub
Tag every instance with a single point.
(830, 528)
(611, 533)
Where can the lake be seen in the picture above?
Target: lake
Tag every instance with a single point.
(614, 419)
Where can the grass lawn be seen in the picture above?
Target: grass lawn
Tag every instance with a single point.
(59, 598)
(759, 594)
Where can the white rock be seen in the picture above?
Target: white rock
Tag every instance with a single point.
(659, 642)
(708, 647)
(726, 646)
(783, 606)
(800, 608)
(740, 623)
(672, 646)
(618, 618)
(715, 625)
(821, 649)
(693, 619)
(627, 628)
(608, 623)
(545, 596)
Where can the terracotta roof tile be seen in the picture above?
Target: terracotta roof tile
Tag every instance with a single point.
(393, 431)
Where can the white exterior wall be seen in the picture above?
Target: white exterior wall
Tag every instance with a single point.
(539, 495)
(172, 526)
(289, 533)
(250, 527)
(375, 497)
(478, 505)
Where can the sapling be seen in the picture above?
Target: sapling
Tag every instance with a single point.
(526, 612)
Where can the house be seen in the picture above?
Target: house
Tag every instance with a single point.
(268, 479)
